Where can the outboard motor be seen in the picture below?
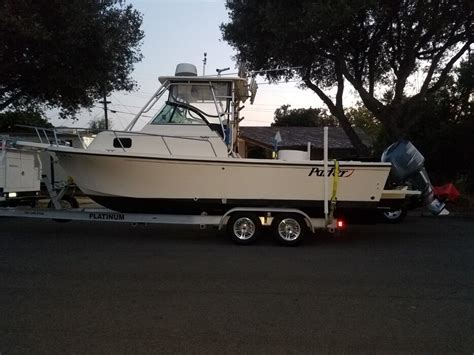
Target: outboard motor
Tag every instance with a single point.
(408, 165)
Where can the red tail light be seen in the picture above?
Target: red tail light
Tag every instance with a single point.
(340, 224)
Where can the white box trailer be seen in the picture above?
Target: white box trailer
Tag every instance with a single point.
(50, 167)
(20, 171)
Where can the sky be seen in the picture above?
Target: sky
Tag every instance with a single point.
(180, 31)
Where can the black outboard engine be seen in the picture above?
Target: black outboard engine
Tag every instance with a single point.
(408, 166)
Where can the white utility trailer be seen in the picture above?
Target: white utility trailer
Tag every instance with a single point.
(20, 171)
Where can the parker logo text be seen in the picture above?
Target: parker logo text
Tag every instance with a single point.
(342, 172)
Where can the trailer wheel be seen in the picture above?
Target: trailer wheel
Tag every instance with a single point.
(394, 216)
(289, 229)
(244, 228)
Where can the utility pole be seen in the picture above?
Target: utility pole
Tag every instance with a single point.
(106, 117)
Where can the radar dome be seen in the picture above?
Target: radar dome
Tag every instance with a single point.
(186, 69)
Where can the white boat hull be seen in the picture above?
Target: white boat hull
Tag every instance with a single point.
(164, 184)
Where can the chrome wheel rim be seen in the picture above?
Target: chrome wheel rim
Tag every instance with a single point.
(289, 229)
(244, 228)
(393, 214)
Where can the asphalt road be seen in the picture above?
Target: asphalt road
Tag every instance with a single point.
(109, 288)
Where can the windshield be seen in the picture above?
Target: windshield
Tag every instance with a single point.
(201, 96)
(173, 113)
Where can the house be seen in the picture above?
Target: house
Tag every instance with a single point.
(258, 142)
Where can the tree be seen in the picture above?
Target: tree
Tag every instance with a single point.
(463, 91)
(362, 118)
(66, 54)
(444, 126)
(98, 124)
(10, 119)
(302, 117)
(375, 45)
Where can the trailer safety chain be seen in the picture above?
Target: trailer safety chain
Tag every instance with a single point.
(335, 182)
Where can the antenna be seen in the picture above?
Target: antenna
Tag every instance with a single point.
(219, 71)
(204, 62)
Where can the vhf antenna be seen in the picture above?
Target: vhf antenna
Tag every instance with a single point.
(204, 62)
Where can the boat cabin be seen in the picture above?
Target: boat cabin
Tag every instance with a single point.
(199, 117)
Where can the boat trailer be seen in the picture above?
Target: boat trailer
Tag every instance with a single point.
(243, 224)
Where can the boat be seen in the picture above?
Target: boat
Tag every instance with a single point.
(185, 160)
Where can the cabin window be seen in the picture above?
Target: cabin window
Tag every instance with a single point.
(122, 142)
(202, 95)
(175, 114)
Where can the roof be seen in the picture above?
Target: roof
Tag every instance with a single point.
(198, 79)
(241, 84)
(293, 137)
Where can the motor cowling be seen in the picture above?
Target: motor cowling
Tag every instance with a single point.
(408, 166)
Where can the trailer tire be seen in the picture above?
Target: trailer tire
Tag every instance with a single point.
(289, 230)
(244, 228)
(394, 216)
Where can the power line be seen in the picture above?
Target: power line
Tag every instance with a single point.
(119, 118)
(134, 106)
(126, 113)
(120, 103)
(279, 82)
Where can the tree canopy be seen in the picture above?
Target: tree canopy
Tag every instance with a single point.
(444, 129)
(377, 46)
(10, 119)
(302, 117)
(66, 54)
(98, 124)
